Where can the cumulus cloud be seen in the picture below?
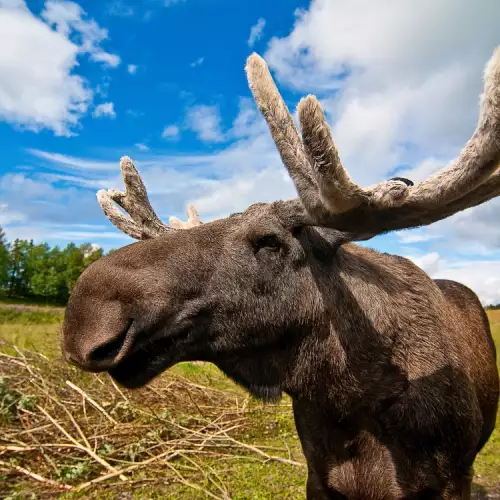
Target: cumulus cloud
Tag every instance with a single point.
(104, 110)
(393, 94)
(171, 132)
(8, 216)
(141, 147)
(256, 32)
(67, 18)
(39, 87)
(221, 183)
(399, 101)
(482, 276)
(132, 69)
(205, 121)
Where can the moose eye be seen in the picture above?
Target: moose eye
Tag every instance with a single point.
(271, 242)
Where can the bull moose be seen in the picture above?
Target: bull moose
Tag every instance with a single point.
(392, 374)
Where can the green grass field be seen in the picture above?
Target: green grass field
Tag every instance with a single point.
(191, 434)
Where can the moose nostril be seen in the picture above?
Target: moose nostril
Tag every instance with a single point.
(109, 351)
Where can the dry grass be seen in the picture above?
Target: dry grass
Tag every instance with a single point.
(191, 434)
(74, 434)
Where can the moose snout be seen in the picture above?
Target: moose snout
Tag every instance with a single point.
(99, 339)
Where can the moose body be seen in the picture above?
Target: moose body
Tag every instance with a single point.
(392, 375)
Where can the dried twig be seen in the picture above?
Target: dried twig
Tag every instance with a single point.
(91, 401)
(167, 454)
(35, 476)
(94, 455)
(137, 450)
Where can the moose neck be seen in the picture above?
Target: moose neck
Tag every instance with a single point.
(342, 359)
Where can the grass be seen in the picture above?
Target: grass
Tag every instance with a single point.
(191, 434)
(23, 316)
(487, 466)
(17, 301)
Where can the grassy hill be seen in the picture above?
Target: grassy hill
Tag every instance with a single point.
(191, 434)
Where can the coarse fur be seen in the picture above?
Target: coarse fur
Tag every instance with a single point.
(392, 375)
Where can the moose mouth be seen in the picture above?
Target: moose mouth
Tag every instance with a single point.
(146, 360)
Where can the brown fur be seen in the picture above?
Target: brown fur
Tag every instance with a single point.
(392, 375)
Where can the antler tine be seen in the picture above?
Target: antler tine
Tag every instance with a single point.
(123, 222)
(324, 186)
(142, 222)
(193, 219)
(337, 190)
(283, 131)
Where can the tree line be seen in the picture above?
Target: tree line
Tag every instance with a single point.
(39, 273)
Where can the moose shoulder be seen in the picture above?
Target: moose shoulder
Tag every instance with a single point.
(392, 374)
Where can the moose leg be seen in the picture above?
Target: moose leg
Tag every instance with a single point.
(461, 492)
(467, 485)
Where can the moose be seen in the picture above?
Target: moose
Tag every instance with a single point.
(392, 374)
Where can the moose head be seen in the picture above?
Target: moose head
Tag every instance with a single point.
(278, 297)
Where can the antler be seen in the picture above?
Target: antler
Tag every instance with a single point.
(327, 195)
(333, 200)
(142, 222)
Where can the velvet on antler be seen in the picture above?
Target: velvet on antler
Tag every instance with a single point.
(327, 195)
(333, 200)
(141, 223)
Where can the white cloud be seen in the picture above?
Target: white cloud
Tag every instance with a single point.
(39, 87)
(8, 216)
(416, 236)
(65, 234)
(132, 69)
(406, 97)
(247, 171)
(111, 60)
(141, 147)
(205, 121)
(248, 122)
(256, 32)
(106, 109)
(198, 62)
(236, 193)
(393, 93)
(430, 262)
(482, 276)
(134, 113)
(475, 230)
(68, 17)
(72, 162)
(396, 95)
(171, 132)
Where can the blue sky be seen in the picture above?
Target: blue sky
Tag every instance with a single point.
(83, 83)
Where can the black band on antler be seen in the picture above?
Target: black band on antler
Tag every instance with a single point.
(402, 179)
